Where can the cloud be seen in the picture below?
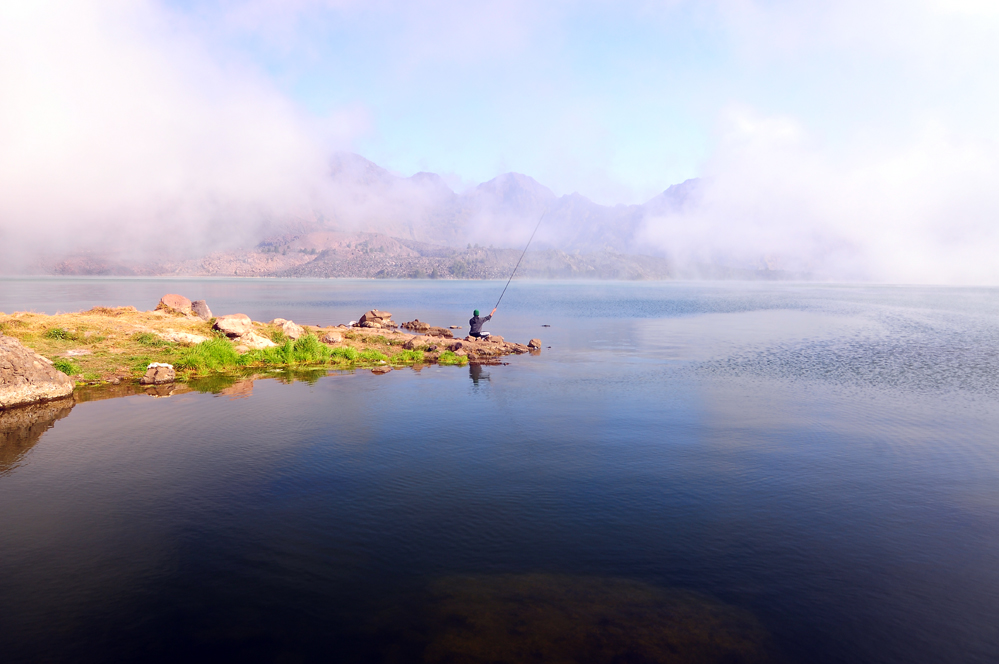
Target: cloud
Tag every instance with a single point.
(920, 213)
(119, 130)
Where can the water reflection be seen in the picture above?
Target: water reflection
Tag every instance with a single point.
(21, 428)
(476, 373)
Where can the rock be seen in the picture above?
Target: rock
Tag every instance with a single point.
(432, 348)
(279, 321)
(158, 373)
(409, 345)
(534, 344)
(181, 337)
(26, 377)
(456, 346)
(455, 327)
(233, 325)
(416, 325)
(332, 338)
(439, 332)
(254, 341)
(495, 338)
(291, 330)
(381, 370)
(176, 304)
(376, 319)
(242, 349)
(201, 310)
(77, 352)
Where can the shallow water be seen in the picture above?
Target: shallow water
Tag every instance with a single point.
(802, 473)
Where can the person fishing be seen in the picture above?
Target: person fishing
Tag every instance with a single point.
(475, 324)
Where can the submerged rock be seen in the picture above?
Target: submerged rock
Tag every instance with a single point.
(158, 373)
(26, 377)
(201, 310)
(173, 303)
(381, 370)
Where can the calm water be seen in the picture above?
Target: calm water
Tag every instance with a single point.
(691, 472)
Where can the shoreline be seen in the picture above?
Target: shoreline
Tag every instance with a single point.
(117, 345)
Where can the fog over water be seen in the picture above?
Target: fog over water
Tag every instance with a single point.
(845, 140)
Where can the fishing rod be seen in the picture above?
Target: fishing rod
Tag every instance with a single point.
(521, 258)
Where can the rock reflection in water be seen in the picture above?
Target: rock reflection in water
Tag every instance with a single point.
(556, 618)
(21, 428)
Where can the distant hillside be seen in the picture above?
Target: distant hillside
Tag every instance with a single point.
(376, 224)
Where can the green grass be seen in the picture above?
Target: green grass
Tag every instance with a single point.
(371, 356)
(212, 355)
(59, 333)
(408, 357)
(344, 354)
(448, 358)
(68, 367)
(148, 339)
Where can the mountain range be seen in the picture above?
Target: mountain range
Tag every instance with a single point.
(370, 222)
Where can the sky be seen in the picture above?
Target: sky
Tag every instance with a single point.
(869, 126)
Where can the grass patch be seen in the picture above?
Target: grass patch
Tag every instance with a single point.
(68, 367)
(59, 334)
(212, 355)
(148, 339)
(277, 336)
(408, 357)
(370, 355)
(344, 354)
(449, 358)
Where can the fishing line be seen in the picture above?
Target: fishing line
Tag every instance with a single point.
(521, 258)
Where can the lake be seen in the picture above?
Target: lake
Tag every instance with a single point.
(694, 472)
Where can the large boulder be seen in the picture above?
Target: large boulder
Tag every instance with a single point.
(27, 377)
(158, 373)
(376, 319)
(233, 325)
(254, 341)
(439, 332)
(289, 328)
(331, 338)
(201, 310)
(534, 344)
(175, 304)
(416, 325)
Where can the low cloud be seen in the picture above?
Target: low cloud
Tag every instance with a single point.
(121, 132)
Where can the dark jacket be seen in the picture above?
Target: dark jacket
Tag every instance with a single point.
(475, 324)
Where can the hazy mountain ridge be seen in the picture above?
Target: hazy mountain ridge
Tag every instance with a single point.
(378, 224)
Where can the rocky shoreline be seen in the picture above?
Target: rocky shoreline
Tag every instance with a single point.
(43, 357)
